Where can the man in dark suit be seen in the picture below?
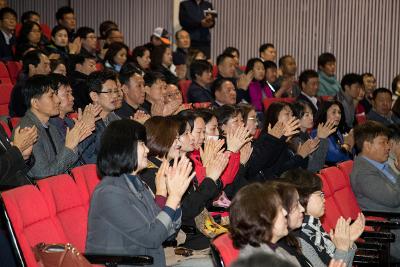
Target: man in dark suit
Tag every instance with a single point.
(8, 22)
(199, 90)
(375, 184)
(309, 83)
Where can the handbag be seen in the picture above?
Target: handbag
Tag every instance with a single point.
(59, 255)
(207, 226)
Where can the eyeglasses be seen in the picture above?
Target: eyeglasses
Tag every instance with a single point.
(320, 193)
(111, 92)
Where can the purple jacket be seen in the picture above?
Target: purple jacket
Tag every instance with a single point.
(258, 92)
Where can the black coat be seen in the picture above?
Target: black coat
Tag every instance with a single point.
(80, 89)
(199, 94)
(6, 50)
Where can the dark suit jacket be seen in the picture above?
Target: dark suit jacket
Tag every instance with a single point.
(80, 89)
(303, 98)
(6, 50)
(198, 94)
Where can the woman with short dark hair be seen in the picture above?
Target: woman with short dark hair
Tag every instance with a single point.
(123, 218)
(258, 221)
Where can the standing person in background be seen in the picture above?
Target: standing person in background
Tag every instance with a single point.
(8, 22)
(267, 52)
(197, 23)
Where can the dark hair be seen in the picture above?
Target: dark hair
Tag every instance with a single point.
(261, 259)
(118, 148)
(269, 65)
(127, 71)
(105, 26)
(177, 33)
(79, 59)
(206, 114)
(380, 91)
(31, 58)
(35, 87)
(139, 51)
(288, 193)
(82, 32)
(198, 67)
(26, 28)
(322, 114)
(272, 113)
(264, 47)
(108, 33)
(189, 116)
(192, 53)
(251, 62)
(367, 132)
(231, 50)
(157, 55)
(244, 109)
(58, 80)
(351, 78)
(7, 10)
(221, 58)
(224, 113)
(325, 58)
(299, 108)
(396, 107)
(394, 84)
(161, 134)
(96, 80)
(305, 182)
(56, 29)
(282, 59)
(151, 77)
(63, 11)
(217, 85)
(305, 76)
(55, 62)
(394, 132)
(112, 50)
(252, 214)
(367, 74)
(26, 16)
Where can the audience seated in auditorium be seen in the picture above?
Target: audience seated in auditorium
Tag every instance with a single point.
(60, 45)
(179, 57)
(336, 245)
(287, 81)
(58, 66)
(369, 84)
(328, 84)
(350, 90)
(224, 92)
(309, 84)
(33, 63)
(8, 22)
(82, 65)
(271, 75)
(233, 51)
(249, 117)
(116, 56)
(161, 61)
(141, 59)
(201, 76)
(65, 17)
(341, 142)
(381, 107)
(28, 39)
(375, 184)
(88, 42)
(112, 35)
(53, 153)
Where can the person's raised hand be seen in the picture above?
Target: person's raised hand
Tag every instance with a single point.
(349, 139)
(341, 235)
(326, 129)
(24, 138)
(308, 147)
(236, 138)
(140, 116)
(178, 179)
(337, 263)
(75, 46)
(160, 180)
(357, 227)
(244, 80)
(277, 131)
(217, 166)
(211, 148)
(292, 127)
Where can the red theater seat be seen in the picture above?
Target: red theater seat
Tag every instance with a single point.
(14, 69)
(346, 168)
(224, 254)
(5, 95)
(6, 128)
(86, 179)
(184, 86)
(268, 101)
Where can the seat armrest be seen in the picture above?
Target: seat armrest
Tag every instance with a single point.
(384, 224)
(383, 214)
(114, 260)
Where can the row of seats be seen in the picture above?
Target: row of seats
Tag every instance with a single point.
(56, 211)
(339, 201)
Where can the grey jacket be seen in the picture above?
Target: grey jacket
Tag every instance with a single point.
(124, 219)
(47, 163)
(373, 190)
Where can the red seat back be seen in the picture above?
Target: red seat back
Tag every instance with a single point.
(223, 247)
(346, 167)
(184, 86)
(215, 71)
(64, 199)
(32, 220)
(268, 101)
(342, 192)
(86, 179)
(14, 69)
(332, 211)
(5, 95)
(46, 30)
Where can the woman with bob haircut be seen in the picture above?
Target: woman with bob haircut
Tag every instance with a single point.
(339, 243)
(116, 56)
(258, 221)
(123, 218)
(341, 142)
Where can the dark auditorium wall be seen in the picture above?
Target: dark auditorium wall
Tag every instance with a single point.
(363, 34)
